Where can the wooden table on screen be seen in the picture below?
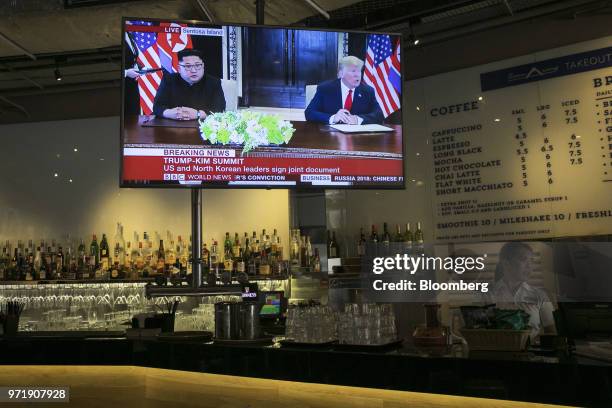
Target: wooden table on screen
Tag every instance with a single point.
(307, 136)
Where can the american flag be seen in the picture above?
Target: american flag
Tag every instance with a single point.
(155, 50)
(382, 72)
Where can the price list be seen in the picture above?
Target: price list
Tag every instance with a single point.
(530, 160)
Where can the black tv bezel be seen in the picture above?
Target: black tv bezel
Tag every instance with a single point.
(297, 187)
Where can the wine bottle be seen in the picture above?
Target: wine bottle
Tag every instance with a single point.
(333, 250)
(104, 254)
(161, 259)
(264, 265)
(316, 261)
(94, 252)
(399, 237)
(386, 237)
(236, 246)
(418, 242)
(374, 234)
(361, 243)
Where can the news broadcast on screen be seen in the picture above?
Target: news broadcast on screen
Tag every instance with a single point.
(251, 106)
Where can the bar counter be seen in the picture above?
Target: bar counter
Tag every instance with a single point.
(508, 376)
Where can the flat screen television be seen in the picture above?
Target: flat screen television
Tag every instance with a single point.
(243, 106)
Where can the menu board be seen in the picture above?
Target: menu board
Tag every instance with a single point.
(522, 149)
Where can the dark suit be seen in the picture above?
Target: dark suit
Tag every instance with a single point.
(328, 100)
(173, 91)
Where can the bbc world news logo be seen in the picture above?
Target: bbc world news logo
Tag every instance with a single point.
(174, 177)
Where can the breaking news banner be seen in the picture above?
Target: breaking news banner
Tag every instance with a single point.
(225, 166)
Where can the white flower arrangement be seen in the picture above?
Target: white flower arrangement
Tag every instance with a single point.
(247, 128)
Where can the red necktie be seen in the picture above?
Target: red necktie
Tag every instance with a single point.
(348, 103)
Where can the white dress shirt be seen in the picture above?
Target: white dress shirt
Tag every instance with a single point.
(345, 91)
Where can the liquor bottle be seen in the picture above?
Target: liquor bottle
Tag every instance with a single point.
(251, 263)
(333, 250)
(361, 244)
(241, 262)
(121, 241)
(161, 258)
(170, 256)
(81, 255)
(264, 265)
(214, 256)
(308, 251)
(3, 263)
(42, 269)
(94, 252)
(304, 261)
(14, 266)
(386, 237)
(316, 261)
(236, 246)
(147, 254)
(115, 265)
(262, 237)
(374, 235)
(243, 241)
(59, 263)
(398, 234)
(418, 242)
(227, 246)
(408, 236)
(37, 265)
(104, 254)
(138, 257)
(205, 257)
(128, 256)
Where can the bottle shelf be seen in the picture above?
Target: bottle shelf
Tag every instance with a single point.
(75, 281)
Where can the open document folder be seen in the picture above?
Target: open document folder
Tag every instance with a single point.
(361, 128)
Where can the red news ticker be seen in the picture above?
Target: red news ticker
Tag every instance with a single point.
(152, 168)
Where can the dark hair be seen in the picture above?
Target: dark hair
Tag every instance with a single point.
(189, 52)
(508, 252)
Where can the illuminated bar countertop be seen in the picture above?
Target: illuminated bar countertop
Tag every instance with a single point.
(411, 373)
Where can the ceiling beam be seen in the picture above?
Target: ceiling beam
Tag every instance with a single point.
(205, 8)
(13, 44)
(318, 8)
(16, 105)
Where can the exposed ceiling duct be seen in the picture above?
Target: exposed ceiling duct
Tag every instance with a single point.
(81, 38)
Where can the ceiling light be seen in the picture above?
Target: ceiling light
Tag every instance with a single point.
(496, 119)
(480, 98)
(58, 74)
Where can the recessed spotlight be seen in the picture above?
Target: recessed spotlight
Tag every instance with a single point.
(70, 180)
(418, 154)
(58, 74)
(75, 149)
(480, 98)
(55, 175)
(418, 108)
(496, 120)
(101, 158)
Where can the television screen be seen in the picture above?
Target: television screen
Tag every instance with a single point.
(272, 304)
(257, 106)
